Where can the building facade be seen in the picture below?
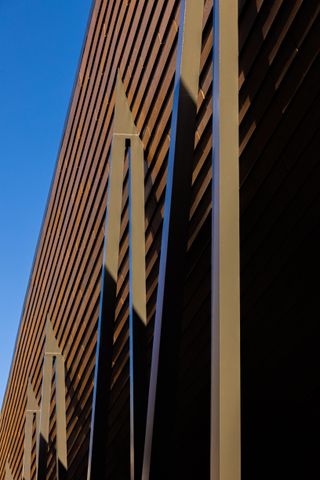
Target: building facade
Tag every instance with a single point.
(170, 327)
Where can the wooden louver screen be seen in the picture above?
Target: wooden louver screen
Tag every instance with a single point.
(151, 416)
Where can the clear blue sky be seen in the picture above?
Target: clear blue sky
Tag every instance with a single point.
(40, 45)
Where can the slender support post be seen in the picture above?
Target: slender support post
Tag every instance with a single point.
(138, 314)
(225, 399)
(9, 475)
(125, 141)
(44, 418)
(32, 414)
(62, 463)
(52, 359)
(163, 381)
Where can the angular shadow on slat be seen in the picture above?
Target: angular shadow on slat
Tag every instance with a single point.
(178, 434)
(43, 463)
(80, 427)
(43, 460)
(103, 372)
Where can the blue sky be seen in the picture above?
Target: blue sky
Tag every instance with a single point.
(40, 45)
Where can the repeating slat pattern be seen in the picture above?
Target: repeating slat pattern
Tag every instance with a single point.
(279, 87)
(138, 38)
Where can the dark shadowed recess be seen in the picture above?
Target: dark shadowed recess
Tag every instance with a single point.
(280, 235)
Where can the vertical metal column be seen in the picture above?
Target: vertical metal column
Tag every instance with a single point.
(163, 381)
(138, 314)
(32, 413)
(44, 415)
(52, 358)
(125, 140)
(225, 400)
(9, 475)
(61, 447)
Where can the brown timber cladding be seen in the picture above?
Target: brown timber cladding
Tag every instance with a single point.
(278, 97)
(139, 38)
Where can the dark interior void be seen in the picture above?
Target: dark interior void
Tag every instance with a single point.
(280, 238)
(280, 372)
(190, 448)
